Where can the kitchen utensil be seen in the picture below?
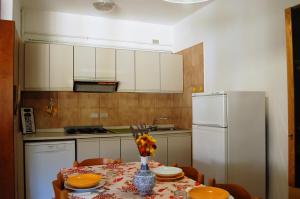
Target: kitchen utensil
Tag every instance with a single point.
(167, 171)
(169, 179)
(83, 181)
(94, 189)
(208, 193)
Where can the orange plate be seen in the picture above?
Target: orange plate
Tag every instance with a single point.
(83, 181)
(169, 179)
(208, 193)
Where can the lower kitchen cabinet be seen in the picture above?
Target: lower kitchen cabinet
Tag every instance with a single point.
(110, 148)
(98, 147)
(129, 150)
(88, 148)
(170, 149)
(180, 150)
(161, 154)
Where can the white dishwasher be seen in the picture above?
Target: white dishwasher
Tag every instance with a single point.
(43, 160)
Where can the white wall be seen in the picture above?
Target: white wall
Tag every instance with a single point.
(11, 10)
(64, 27)
(6, 9)
(17, 15)
(244, 49)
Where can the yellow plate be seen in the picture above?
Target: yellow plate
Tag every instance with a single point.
(208, 193)
(84, 181)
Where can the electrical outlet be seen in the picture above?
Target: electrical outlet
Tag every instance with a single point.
(94, 115)
(103, 115)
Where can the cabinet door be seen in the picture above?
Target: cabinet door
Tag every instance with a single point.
(125, 70)
(105, 64)
(87, 148)
(147, 71)
(110, 148)
(129, 151)
(84, 62)
(61, 67)
(171, 73)
(161, 153)
(36, 66)
(180, 150)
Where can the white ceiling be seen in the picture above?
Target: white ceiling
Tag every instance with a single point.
(151, 11)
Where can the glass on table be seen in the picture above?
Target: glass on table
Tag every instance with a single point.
(180, 194)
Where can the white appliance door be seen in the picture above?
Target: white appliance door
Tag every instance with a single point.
(210, 110)
(209, 152)
(43, 160)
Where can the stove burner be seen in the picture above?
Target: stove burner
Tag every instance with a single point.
(85, 129)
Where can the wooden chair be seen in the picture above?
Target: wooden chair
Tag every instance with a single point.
(95, 161)
(237, 191)
(58, 187)
(192, 173)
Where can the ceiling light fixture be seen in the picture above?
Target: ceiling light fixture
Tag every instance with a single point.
(104, 5)
(186, 1)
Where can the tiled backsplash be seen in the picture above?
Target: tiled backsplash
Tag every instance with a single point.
(111, 109)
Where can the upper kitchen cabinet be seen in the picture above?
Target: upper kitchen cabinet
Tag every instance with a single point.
(84, 62)
(36, 66)
(105, 64)
(171, 75)
(61, 67)
(147, 71)
(125, 70)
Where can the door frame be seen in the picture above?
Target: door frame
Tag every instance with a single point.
(7, 150)
(291, 96)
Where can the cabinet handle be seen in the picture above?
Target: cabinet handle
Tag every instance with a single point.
(291, 135)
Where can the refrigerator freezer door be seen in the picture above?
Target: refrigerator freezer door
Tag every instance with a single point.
(209, 152)
(210, 110)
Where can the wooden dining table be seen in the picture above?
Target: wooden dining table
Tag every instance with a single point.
(118, 180)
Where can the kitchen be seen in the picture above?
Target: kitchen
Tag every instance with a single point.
(51, 32)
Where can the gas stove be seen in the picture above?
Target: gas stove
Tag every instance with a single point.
(85, 130)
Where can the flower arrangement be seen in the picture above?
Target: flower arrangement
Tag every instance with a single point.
(145, 142)
(144, 179)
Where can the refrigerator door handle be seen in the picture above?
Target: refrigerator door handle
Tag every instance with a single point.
(211, 125)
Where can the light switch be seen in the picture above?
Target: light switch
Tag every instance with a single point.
(94, 115)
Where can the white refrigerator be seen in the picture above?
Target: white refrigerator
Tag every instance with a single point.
(229, 139)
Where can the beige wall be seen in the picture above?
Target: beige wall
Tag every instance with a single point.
(122, 108)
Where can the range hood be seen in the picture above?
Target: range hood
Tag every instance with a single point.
(95, 86)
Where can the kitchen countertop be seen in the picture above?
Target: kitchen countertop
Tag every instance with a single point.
(60, 135)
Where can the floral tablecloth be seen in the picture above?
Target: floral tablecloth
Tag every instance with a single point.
(119, 182)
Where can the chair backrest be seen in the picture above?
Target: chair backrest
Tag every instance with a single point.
(59, 191)
(237, 191)
(95, 161)
(192, 173)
